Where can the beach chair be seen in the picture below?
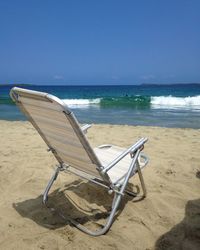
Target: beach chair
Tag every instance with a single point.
(108, 166)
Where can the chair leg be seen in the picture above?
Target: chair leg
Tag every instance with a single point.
(115, 205)
(49, 185)
(116, 201)
(142, 181)
(106, 227)
(130, 193)
(144, 190)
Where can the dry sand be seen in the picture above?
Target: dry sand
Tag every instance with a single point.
(169, 218)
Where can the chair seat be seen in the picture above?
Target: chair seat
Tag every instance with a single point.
(106, 154)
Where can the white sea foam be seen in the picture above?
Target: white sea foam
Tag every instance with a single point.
(81, 102)
(190, 102)
(161, 102)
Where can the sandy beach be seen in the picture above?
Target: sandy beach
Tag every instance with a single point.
(169, 218)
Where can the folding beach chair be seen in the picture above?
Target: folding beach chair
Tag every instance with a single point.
(107, 166)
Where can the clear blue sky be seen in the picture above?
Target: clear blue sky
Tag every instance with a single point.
(99, 41)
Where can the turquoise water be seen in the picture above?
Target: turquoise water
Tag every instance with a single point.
(153, 105)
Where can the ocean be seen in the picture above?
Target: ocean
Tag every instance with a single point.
(175, 105)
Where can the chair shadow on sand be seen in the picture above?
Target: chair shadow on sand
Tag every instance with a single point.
(96, 205)
(186, 234)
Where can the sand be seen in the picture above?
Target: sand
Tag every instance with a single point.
(169, 218)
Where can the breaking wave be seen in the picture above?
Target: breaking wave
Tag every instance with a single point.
(190, 102)
(137, 102)
(81, 102)
(171, 102)
(134, 101)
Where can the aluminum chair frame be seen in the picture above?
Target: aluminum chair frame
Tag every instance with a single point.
(119, 188)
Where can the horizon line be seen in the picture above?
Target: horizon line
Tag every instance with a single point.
(133, 84)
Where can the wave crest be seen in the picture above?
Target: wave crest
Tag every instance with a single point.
(81, 102)
(171, 101)
(136, 102)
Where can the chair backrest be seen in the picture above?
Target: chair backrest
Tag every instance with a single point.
(59, 129)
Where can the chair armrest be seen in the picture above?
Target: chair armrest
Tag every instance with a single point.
(85, 127)
(143, 160)
(130, 150)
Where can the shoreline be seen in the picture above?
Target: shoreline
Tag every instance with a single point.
(167, 219)
(110, 124)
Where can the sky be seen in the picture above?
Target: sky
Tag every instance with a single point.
(99, 41)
